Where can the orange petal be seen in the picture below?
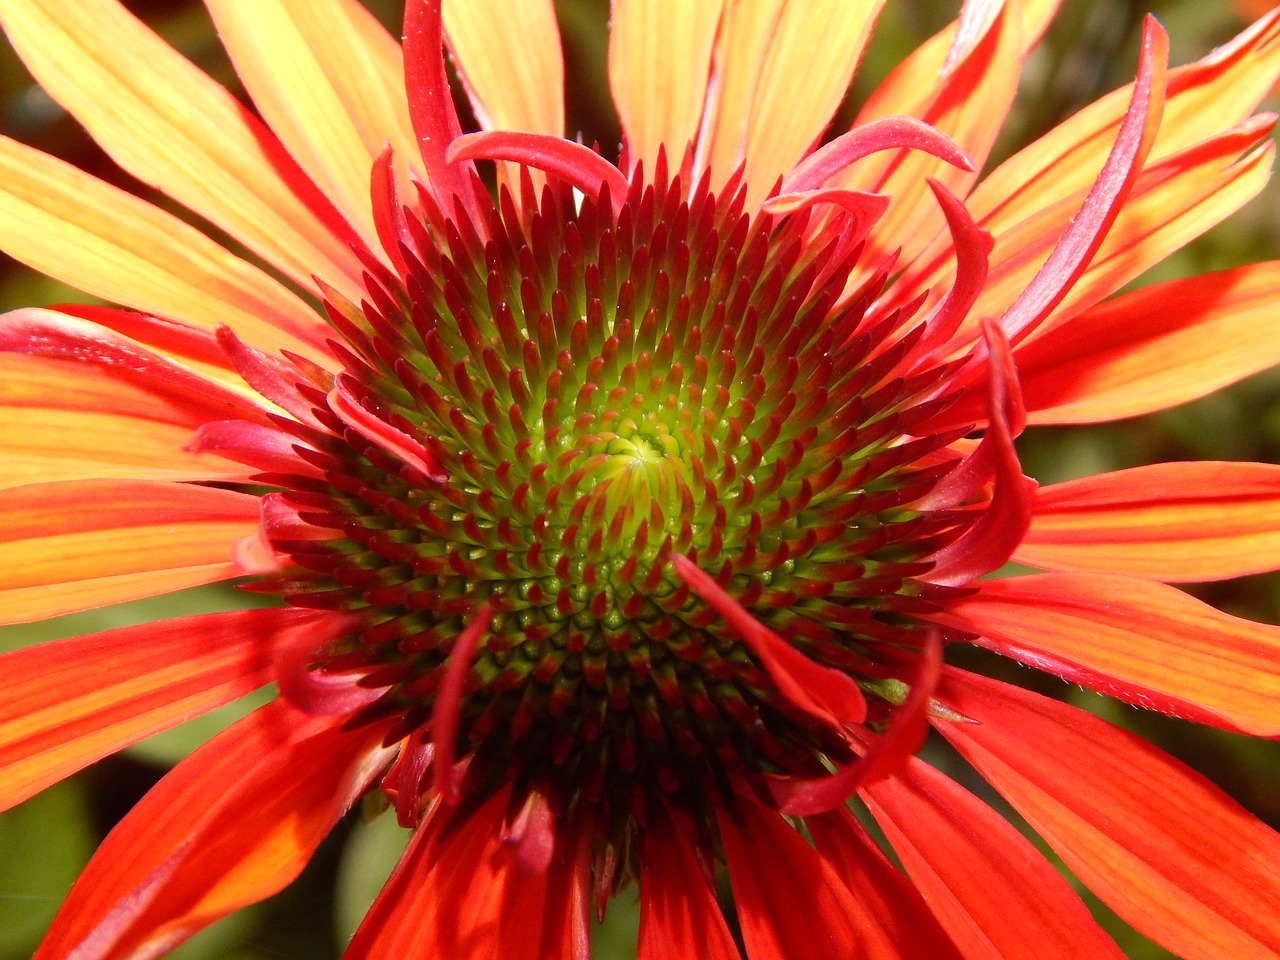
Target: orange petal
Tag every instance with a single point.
(993, 892)
(233, 823)
(77, 544)
(173, 127)
(790, 901)
(1145, 642)
(66, 420)
(1167, 850)
(70, 702)
(91, 235)
(781, 68)
(329, 80)
(1169, 521)
(679, 916)
(659, 70)
(1154, 348)
(508, 56)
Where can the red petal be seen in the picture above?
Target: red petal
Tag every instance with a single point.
(679, 916)
(458, 892)
(67, 703)
(790, 901)
(884, 892)
(1166, 849)
(233, 823)
(1169, 521)
(996, 896)
(1144, 642)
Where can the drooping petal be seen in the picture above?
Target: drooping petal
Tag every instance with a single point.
(1154, 348)
(886, 894)
(790, 901)
(329, 80)
(233, 823)
(65, 420)
(781, 67)
(1167, 850)
(77, 544)
(508, 56)
(1169, 521)
(992, 891)
(1145, 642)
(679, 916)
(117, 687)
(458, 891)
(659, 71)
(106, 242)
(173, 127)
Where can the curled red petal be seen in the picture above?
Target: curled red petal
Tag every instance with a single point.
(823, 693)
(886, 133)
(343, 402)
(448, 703)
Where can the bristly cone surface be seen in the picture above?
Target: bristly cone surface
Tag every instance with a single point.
(530, 428)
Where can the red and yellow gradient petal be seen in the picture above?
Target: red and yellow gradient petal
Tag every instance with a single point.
(66, 420)
(1154, 348)
(82, 231)
(117, 687)
(77, 544)
(659, 71)
(233, 823)
(171, 126)
(509, 58)
(1177, 522)
(992, 891)
(329, 80)
(781, 68)
(1138, 828)
(1137, 640)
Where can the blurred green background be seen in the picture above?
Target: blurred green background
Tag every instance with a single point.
(1091, 49)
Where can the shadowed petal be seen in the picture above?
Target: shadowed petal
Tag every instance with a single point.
(996, 896)
(1138, 828)
(1168, 521)
(117, 687)
(78, 544)
(1141, 641)
(173, 127)
(233, 823)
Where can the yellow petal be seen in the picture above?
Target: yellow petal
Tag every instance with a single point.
(781, 69)
(173, 127)
(508, 55)
(91, 235)
(659, 68)
(329, 80)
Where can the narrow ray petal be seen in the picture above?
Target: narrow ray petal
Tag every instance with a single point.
(1154, 348)
(233, 823)
(781, 68)
(329, 80)
(993, 892)
(508, 56)
(1141, 830)
(1145, 642)
(108, 243)
(172, 127)
(117, 687)
(679, 916)
(790, 901)
(659, 71)
(77, 544)
(1168, 521)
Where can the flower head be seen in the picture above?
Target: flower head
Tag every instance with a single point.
(619, 507)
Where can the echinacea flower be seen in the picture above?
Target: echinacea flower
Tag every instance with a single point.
(623, 510)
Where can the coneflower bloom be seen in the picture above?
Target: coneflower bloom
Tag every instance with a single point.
(622, 509)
